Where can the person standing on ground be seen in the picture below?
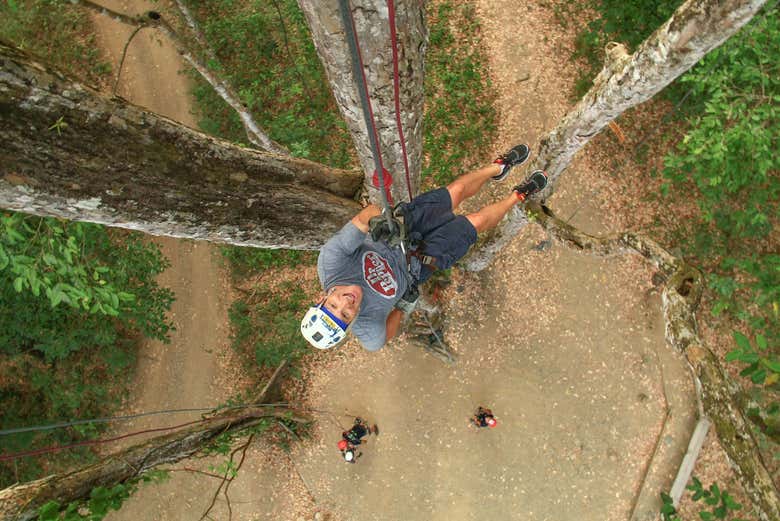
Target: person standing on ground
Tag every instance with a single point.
(364, 279)
(484, 418)
(353, 437)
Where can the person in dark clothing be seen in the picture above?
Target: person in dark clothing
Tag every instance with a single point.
(353, 437)
(484, 418)
(359, 429)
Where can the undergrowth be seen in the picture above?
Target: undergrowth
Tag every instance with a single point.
(56, 30)
(267, 327)
(460, 117)
(74, 299)
(266, 53)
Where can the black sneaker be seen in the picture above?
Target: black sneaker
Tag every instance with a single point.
(534, 183)
(516, 156)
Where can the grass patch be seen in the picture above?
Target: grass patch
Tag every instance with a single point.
(244, 262)
(460, 116)
(266, 52)
(267, 328)
(56, 30)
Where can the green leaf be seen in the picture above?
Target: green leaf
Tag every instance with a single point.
(49, 512)
(760, 340)
(730, 503)
(742, 341)
(5, 260)
(18, 281)
(706, 516)
(772, 365)
(758, 377)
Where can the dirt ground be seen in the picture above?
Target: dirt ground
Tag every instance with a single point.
(567, 350)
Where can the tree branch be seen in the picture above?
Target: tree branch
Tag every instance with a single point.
(154, 19)
(695, 28)
(21, 502)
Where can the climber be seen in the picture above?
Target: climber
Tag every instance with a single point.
(365, 275)
(484, 418)
(353, 437)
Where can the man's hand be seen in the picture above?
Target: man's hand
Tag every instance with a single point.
(361, 220)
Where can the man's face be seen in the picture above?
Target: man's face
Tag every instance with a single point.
(344, 301)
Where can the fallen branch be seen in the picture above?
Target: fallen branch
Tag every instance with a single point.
(680, 299)
(21, 502)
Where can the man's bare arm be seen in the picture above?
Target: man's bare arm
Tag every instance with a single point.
(393, 324)
(365, 215)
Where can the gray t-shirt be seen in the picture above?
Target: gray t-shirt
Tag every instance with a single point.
(351, 257)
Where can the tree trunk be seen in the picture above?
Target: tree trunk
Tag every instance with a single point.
(373, 32)
(22, 502)
(697, 27)
(680, 298)
(67, 151)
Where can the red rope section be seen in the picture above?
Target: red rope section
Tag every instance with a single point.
(396, 92)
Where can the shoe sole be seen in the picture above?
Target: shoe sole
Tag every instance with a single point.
(501, 177)
(538, 178)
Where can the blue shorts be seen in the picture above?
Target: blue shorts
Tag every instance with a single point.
(445, 236)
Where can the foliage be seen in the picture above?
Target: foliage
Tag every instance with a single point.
(60, 282)
(459, 122)
(626, 21)
(719, 504)
(763, 365)
(53, 28)
(245, 261)
(61, 356)
(728, 160)
(102, 500)
(267, 54)
(269, 326)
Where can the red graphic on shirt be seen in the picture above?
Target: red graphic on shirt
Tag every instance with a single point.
(379, 275)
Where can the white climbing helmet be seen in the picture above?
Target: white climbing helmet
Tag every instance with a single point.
(349, 455)
(323, 329)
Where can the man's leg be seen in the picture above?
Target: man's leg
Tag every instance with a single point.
(467, 185)
(489, 216)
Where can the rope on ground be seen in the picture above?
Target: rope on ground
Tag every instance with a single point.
(124, 55)
(667, 413)
(292, 462)
(112, 419)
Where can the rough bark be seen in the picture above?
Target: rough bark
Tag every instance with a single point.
(254, 133)
(67, 151)
(696, 28)
(371, 21)
(21, 502)
(680, 298)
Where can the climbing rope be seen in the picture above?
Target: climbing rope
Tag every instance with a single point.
(396, 93)
(365, 103)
